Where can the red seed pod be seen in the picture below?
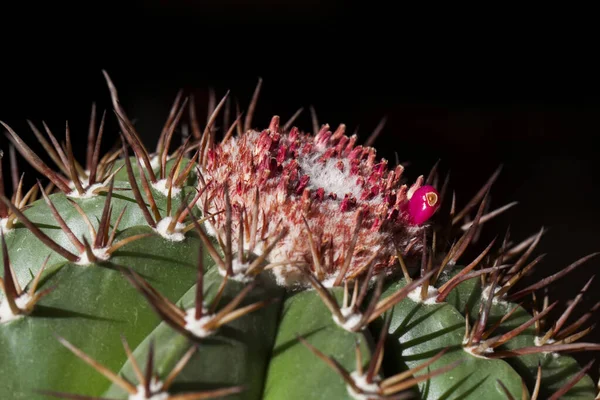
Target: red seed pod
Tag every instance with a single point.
(423, 204)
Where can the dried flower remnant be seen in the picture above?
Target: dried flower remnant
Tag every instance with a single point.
(341, 205)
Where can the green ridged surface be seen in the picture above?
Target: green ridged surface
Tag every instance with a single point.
(27, 253)
(296, 373)
(91, 307)
(418, 331)
(237, 354)
(556, 369)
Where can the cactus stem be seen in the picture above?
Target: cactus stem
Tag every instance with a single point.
(185, 321)
(17, 302)
(38, 233)
(389, 384)
(390, 301)
(370, 385)
(61, 222)
(114, 378)
(207, 325)
(576, 378)
(476, 346)
(150, 387)
(332, 363)
(115, 246)
(509, 396)
(351, 317)
(538, 381)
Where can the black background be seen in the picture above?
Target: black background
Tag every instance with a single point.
(474, 90)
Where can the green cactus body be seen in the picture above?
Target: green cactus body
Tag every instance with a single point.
(163, 283)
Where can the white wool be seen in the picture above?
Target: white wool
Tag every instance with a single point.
(6, 313)
(473, 350)
(161, 186)
(88, 192)
(4, 225)
(239, 271)
(368, 390)
(329, 177)
(485, 295)
(196, 326)
(351, 319)
(156, 392)
(162, 229)
(415, 295)
(101, 254)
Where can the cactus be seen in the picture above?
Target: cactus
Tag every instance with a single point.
(267, 264)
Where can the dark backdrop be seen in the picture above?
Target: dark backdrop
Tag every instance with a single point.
(462, 90)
